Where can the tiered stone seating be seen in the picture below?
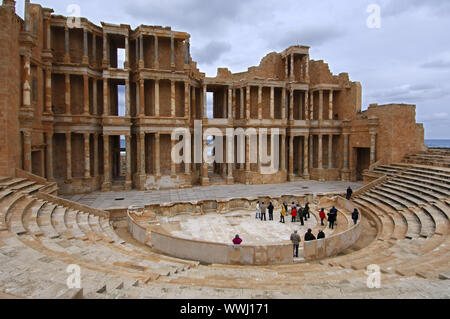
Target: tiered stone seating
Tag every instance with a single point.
(412, 205)
(40, 238)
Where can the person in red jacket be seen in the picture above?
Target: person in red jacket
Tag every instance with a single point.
(237, 240)
(322, 216)
(294, 214)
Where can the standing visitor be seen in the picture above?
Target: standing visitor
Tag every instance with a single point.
(321, 235)
(355, 216)
(332, 216)
(308, 211)
(349, 193)
(258, 210)
(237, 240)
(282, 213)
(263, 212)
(270, 208)
(309, 236)
(295, 239)
(322, 216)
(293, 214)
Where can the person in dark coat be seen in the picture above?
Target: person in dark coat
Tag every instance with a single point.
(270, 209)
(321, 235)
(332, 216)
(308, 211)
(355, 216)
(349, 193)
(299, 211)
(309, 235)
(263, 211)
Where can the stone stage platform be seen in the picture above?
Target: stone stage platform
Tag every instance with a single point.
(124, 199)
(223, 228)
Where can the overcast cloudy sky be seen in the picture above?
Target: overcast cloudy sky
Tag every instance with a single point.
(406, 60)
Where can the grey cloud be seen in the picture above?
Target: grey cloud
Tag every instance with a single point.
(211, 52)
(206, 16)
(313, 36)
(397, 7)
(436, 64)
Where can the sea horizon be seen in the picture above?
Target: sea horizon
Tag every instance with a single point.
(438, 143)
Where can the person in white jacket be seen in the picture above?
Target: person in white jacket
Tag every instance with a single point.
(258, 210)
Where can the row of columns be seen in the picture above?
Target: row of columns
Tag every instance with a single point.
(67, 93)
(290, 67)
(245, 100)
(140, 51)
(140, 98)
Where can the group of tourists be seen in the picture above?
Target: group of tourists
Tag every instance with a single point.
(300, 214)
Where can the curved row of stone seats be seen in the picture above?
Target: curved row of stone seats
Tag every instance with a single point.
(77, 237)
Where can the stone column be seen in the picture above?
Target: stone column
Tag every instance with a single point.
(306, 158)
(173, 165)
(66, 45)
(291, 158)
(187, 100)
(94, 96)
(48, 44)
(345, 171)
(247, 102)
(186, 53)
(127, 98)
(230, 103)
(68, 156)
(128, 174)
(283, 152)
(283, 104)
(312, 106)
(96, 155)
(205, 103)
(157, 97)
(86, 94)
(311, 152)
(49, 141)
(306, 106)
(87, 156)
(126, 63)
(172, 52)
(291, 105)
(85, 59)
(242, 104)
(194, 102)
(141, 52)
(299, 158)
(292, 68)
(157, 154)
(286, 67)
(141, 153)
(172, 99)
(247, 154)
(187, 166)
(141, 97)
(106, 165)
(27, 151)
(320, 105)
(330, 151)
(156, 62)
(272, 103)
(105, 61)
(67, 94)
(260, 115)
(233, 103)
(330, 106)
(205, 178)
(48, 90)
(373, 141)
(106, 97)
(320, 161)
(94, 49)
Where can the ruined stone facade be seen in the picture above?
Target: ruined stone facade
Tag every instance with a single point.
(61, 117)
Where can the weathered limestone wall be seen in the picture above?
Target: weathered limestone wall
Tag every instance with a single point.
(398, 133)
(10, 93)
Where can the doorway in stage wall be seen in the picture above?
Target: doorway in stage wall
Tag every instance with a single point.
(362, 161)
